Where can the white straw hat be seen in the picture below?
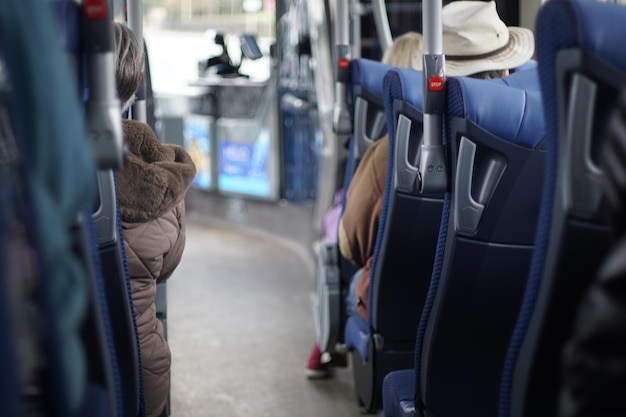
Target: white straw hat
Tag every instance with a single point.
(475, 39)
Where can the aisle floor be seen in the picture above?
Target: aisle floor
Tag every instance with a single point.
(240, 328)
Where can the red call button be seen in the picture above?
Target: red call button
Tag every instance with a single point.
(95, 9)
(344, 63)
(435, 84)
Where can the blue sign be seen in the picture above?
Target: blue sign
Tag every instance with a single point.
(244, 168)
(196, 134)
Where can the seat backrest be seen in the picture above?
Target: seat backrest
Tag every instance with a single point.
(117, 291)
(58, 172)
(581, 65)
(369, 123)
(594, 354)
(409, 221)
(367, 103)
(104, 247)
(493, 133)
(527, 79)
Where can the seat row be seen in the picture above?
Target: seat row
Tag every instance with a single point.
(473, 292)
(70, 346)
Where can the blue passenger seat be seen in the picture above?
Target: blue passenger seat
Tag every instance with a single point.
(368, 107)
(334, 271)
(52, 187)
(494, 133)
(404, 250)
(103, 237)
(582, 64)
(530, 64)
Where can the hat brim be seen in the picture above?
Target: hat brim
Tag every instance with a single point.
(519, 50)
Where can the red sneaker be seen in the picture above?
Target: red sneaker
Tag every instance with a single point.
(315, 368)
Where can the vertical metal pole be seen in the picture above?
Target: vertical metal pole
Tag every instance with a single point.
(103, 106)
(381, 20)
(432, 177)
(135, 22)
(342, 123)
(432, 28)
(356, 11)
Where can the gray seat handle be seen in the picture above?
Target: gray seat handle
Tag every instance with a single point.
(468, 211)
(406, 174)
(362, 140)
(584, 187)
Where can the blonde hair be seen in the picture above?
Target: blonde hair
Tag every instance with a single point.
(405, 52)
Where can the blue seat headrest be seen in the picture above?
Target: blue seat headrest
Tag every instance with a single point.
(512, 114)
(369, 75)
(530, 64)
(592, 32)
(404, 84)
(527, 79)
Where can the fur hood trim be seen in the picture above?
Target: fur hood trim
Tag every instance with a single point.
(155, 177)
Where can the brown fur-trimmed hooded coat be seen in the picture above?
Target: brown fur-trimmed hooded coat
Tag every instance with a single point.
(151, 188)
(361, 216)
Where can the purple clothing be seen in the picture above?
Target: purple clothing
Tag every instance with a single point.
(330, 220)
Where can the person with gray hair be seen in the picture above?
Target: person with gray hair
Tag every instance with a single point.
(150, 189)
(128, 64)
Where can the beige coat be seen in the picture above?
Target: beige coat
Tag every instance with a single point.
(151, 188)
(361, 216)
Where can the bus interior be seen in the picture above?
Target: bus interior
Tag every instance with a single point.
(500, 222)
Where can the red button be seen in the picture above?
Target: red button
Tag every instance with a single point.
(435, 84)
(344, 63)
(95, 9)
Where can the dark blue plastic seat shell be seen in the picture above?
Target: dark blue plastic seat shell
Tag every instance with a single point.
(404, 250)
(503, 122)
(580, 49)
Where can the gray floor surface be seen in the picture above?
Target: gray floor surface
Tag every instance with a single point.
(240, 329)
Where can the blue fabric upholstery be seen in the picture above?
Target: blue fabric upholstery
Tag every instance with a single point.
(398, 393)
(530, 64)
(369, 75)
(598, 28)
(357, 335)
(511, 120)
(518, 119)
(527, 79)
(405, 85)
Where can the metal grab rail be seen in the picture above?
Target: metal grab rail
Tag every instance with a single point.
(381, 21)
(432, 170)
(102, 106)
(433, 173)
(342, 123)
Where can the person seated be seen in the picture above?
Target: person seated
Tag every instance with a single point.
(151, 189)
(476, 43)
